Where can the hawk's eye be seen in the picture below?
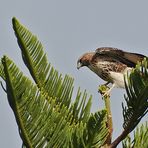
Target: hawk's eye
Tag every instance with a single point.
(80, 61)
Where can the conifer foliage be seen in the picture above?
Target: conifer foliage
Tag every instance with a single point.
(45, 113)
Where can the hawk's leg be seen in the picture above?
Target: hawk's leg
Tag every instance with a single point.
(106, 83)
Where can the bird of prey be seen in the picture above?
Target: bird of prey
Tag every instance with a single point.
(110, 64)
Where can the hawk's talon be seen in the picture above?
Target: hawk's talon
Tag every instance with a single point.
(105, 90)
(106, 94)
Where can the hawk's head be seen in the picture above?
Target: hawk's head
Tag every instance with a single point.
(84, 60)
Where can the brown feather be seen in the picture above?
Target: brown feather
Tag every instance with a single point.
(127, 58)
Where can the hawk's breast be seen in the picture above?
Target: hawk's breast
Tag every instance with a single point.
(111, 71)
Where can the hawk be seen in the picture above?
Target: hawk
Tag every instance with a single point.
(110, 64)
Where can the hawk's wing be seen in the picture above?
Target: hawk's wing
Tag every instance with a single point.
(127, 58)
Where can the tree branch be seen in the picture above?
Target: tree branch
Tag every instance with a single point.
(119, 139)
(103, 89)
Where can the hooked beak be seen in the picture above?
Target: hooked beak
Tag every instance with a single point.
(79, 65)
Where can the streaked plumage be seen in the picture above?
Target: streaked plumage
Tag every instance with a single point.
(110, 64)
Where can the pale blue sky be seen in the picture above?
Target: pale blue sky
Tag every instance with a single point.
(68, 29)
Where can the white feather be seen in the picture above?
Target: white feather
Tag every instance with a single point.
(118, 78)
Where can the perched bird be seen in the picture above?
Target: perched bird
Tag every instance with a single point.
(110, 64)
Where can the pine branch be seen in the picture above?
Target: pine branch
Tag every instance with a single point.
(136, 100)
(140, 138)
(103, 89)
(43, 111)
(119, 139)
